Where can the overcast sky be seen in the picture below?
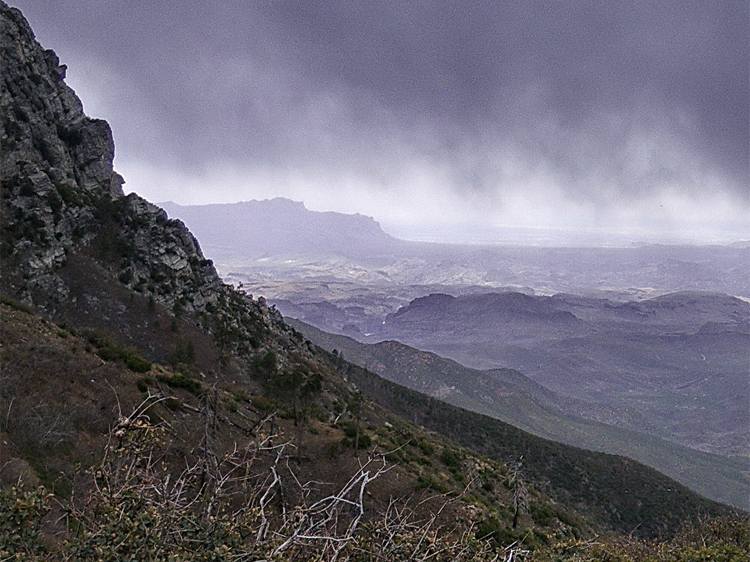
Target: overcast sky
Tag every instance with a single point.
(430, 116)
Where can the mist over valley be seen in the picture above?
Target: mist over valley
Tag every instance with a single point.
(652, 339)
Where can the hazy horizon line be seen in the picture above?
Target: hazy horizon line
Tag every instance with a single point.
(535, 236)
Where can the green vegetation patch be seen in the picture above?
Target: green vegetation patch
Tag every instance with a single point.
(21, 516)
(354, 436)
(110, 351)
(181, 381)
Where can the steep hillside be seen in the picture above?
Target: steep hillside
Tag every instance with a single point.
(527, 494)
(679, 360)
(173, 414)
(587, 476)
(511, 397)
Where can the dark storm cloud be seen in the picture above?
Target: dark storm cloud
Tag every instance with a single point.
(603, 99)
(463, 62)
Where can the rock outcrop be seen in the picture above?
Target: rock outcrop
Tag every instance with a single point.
(52, 157)
(59, 188)
(45, 134)
(61, 198)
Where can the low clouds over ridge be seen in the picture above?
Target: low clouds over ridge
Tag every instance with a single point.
(632, 115)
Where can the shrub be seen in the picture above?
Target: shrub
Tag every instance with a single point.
(143, 383)
(184, 353)
(349, 428)
(16, 305)
(136, 363)
(450, 459)
(126, 276)
(110, 351)
(263, 404)
(21, 515)
(426, 448)
(181, 381)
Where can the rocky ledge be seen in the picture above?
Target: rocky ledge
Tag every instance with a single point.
(61, 196)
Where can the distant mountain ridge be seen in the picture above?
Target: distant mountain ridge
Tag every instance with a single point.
(514, 315)
(280, 227)
(264, 244)
(680, 359)
(507, 313)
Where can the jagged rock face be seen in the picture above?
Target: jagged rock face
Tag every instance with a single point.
(44, 131)
(160, 256)
(61, 194)
(49, 151)
(61, 199)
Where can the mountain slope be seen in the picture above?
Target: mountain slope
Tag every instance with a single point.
(50, 427)
(679, 360)
(587, 475)
(513, 398)
(140, 314)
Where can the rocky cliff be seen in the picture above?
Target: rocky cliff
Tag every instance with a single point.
(51, 153)
(63, 205)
